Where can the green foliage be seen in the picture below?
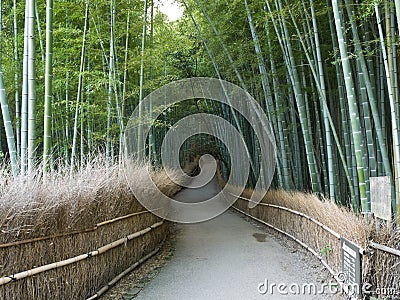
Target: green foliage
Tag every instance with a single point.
(176, 53)
(326, 251)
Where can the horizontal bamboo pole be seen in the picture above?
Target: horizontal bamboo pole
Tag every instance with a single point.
(44, 238)
(37, 270)
(28, 241)
(384, 248)
(330, 230)
(124, 273)
(124, 217)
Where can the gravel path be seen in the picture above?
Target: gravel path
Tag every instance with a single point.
(230, 258)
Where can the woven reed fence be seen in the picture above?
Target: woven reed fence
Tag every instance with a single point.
(76, 265)
(382, 267)
(71, 238)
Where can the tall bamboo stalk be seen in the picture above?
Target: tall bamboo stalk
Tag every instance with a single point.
(395, 134)
(24, 100)
(16, 81)
(328, 140)
(31, 85)
(111, 61)
(79, 92)
(5, 111)
(353, 109)
(141, 141)
(290, 63)
(324, 104)
(48, 86)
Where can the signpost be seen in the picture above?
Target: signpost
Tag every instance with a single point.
(381, 197)
(351, 268)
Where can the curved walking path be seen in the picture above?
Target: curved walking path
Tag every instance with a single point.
(227, 258)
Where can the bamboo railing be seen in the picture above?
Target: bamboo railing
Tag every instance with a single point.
(62, 263)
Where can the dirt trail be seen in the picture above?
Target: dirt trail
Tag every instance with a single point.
(228, 258)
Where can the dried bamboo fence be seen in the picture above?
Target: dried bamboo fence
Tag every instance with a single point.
(71, 238)
(382, 267)
(77, 264)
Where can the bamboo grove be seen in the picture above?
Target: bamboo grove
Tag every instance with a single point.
(325, 73)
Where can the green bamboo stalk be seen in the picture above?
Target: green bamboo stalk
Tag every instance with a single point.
(31, 86)
(365, 77)
(353, 109)
(8, 127)
(12, 151)
(16, 81)
(126, 56)
(389, 50)
(141, 141)
(328, 140)
(66, 130)
(395, 135)
(343, 116)
(283, 141)
(294, 77)
(48, 86)
(324, 105)
(152, 137)
(393, 47)
(79, 92)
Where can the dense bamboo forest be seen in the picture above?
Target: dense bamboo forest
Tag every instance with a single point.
(325, 73)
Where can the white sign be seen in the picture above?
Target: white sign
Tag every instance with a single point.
(381, 202)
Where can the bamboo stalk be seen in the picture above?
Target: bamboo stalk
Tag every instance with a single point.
(16, 80)
(78, 96)
(24, 99)
(290, 63)
(48, 87)
(141, 151)
(359, 146)
(8, 126)
(328, 138)
(31, 85)
(395, 134)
